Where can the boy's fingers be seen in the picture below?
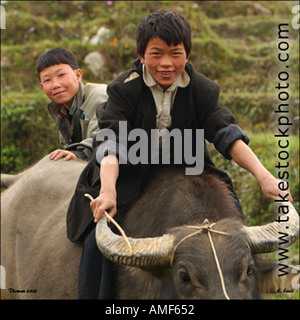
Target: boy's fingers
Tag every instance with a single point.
(52, 155)
(68, 157)
(103, 206)
(98, 214)
(56, 155)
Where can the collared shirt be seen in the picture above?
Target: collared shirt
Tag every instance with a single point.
(65, 112)
(164, 99)
(74, 106)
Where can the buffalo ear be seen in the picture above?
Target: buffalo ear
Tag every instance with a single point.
(269, 280)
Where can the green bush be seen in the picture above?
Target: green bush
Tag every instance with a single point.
(27, 130)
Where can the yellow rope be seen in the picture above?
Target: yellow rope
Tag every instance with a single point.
(208, 228)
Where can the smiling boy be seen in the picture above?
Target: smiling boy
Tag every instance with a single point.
(73, 106)
(164, 91)
(164, 63)
(164, 69)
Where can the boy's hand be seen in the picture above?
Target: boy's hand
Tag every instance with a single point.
(272, 188)
(106, 201)
(59, 153)
(275, 189)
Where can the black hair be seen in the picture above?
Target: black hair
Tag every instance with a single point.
(167, 25)
(56, 56)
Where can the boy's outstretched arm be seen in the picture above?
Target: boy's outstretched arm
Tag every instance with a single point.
(107, 199)
(246, 159)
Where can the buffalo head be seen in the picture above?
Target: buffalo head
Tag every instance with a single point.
(207, 261)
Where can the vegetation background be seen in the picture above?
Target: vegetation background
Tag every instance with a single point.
(234, 43)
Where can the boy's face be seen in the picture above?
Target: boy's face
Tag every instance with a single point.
(165, 63)
(60, 83)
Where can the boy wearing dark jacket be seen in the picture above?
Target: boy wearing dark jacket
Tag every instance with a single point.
(161, 91)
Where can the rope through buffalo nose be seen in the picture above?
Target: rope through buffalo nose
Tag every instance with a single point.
(207, 227)
(218, 264)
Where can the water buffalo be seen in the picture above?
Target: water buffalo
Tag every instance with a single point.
(187, 239)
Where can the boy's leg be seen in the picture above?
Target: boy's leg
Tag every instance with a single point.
(90, 269)
(108, 280)
(96, 274)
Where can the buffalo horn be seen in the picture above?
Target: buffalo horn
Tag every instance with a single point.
(143, 252)
(281, 233)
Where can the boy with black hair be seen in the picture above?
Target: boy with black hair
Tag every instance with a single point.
(162, 90)
(73, 106)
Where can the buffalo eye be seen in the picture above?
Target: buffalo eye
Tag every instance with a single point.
(250, 270)
(184, 276)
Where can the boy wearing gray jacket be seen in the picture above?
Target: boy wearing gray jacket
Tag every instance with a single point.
(73, 106)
